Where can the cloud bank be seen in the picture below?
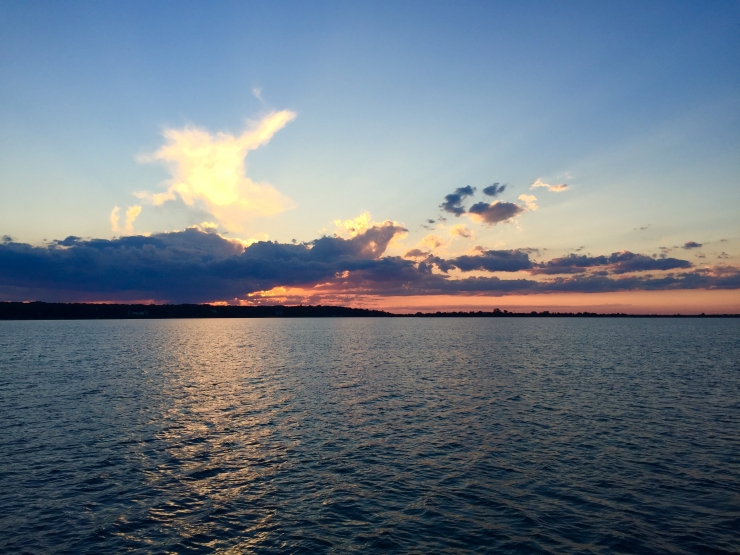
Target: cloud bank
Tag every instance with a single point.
(198, 266)
(617, 263)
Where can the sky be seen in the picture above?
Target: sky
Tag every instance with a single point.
(399, 155)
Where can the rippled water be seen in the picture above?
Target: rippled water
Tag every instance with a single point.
(372, 435)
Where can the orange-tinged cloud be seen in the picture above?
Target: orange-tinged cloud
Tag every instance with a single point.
(559, 188)
(461, 231)
(355, 226)
(433, 242)
(208, 170)
(530, 201)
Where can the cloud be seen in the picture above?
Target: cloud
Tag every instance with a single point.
(494, 213)
(489, 260)
(552, 188)
(617, 263)
(196, 266)
(363, 223)
(453, 201)
(529, 200)
(416, 253)
(494, 190)
(184, 266)
(433, 242)
(114, 219)
(257, 93)
(208, 171)
(131, 213)
(460, 230)
(691, 245)
(355, 226)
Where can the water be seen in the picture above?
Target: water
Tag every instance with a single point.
(371, 435)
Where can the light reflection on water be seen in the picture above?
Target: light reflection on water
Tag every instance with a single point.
(334, 435)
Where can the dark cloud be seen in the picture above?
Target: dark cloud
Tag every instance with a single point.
(194, 266)
(689, 280)
(185, 266)
(617, 263)
(494, 190)
(490, 260)
(691, 245)
(416, 253)
(496, 212)
(453, 201)
(391, 278)
(625, 261)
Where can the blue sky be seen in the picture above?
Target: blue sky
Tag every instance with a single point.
(635, 106)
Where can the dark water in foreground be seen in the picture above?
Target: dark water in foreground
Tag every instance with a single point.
(372, 435)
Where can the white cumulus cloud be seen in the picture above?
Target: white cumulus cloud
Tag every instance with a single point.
(208, 171)
(529, 200)
(131, 213)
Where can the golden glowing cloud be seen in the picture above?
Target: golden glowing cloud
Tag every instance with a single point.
(529, 200)
(114, 218)
(355, 226)
(433, 242)
(461, 231)
(552, 188)
(254, 239)
(359, 225)
(131, 214)
(208, 170)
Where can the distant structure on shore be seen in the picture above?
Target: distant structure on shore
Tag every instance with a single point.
(90, 311)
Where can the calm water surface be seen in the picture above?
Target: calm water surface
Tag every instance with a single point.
(371, 435)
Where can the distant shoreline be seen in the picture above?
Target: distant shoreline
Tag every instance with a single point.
(90, 311)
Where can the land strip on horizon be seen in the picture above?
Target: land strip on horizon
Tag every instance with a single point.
(118, 311)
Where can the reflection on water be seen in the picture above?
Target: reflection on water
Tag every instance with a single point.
(373, 435)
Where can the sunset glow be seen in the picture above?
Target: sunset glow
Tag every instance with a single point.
(560, 170)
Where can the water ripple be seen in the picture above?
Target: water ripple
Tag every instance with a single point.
(372, 435)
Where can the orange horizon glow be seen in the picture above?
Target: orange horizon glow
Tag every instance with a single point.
(693, 301)
(632, 302)
(678, 301)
